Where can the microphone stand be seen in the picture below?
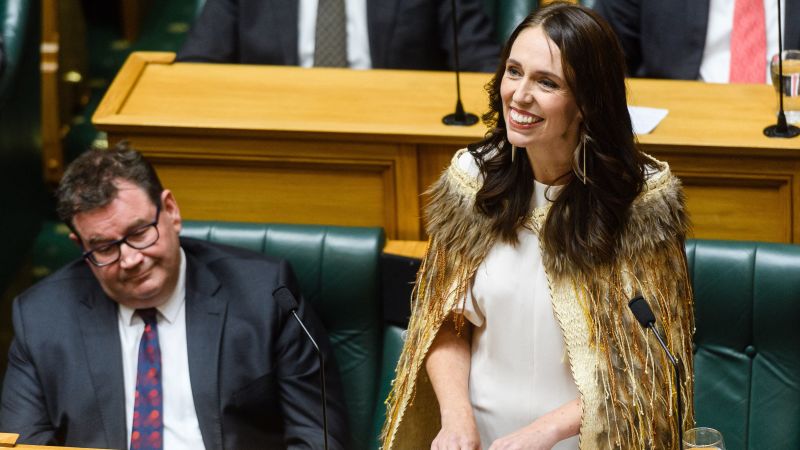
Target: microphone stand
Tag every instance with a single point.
(460, 117)
(321, 377)
(647, 319)
(781, 129)
(286, 300)
(674, 362)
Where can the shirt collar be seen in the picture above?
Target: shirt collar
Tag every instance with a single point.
(170, 309)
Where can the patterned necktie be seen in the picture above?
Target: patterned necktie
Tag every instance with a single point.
(148, 428)
(330, 41)
(748, 43)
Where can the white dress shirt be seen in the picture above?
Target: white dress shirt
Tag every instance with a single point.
(715, 66)
(181, 428)
(358, 56)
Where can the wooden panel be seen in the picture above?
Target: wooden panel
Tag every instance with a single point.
(433, 160)
(739, 208)
(323, 182)
(409, 249)
(292, 193)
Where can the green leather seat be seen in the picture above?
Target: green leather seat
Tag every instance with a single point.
(747, 342)
(22, 192)
(21, 189)
(507, 14)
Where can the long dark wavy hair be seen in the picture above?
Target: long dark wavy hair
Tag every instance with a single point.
(585, 220)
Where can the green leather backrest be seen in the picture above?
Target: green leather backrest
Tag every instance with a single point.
(507, 14)
(22, 193)
(393, 337)
(747, 342)
(338, 271)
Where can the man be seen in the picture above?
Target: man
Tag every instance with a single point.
(381, 34)
(691, 39)
(148, 316)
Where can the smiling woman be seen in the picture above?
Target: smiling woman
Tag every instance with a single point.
(540, 233)
(538, 107)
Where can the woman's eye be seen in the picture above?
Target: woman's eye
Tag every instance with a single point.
(549, 84)
(513, 71)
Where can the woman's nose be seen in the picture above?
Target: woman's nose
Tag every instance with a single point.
(523, 94)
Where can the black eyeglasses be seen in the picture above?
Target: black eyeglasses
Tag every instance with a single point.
(140, 238)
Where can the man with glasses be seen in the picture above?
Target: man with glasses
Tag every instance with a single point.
(154, 341)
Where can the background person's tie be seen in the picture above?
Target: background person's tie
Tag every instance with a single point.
(748, 43)
(330, 41)
(148, 428)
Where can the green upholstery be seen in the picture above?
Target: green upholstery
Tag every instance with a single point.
(393, 337)
(21, 189)
(507, 14)
(747, 342)
(22, 192)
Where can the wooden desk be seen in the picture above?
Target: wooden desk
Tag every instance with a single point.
(348, 147)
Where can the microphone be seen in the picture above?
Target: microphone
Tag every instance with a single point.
(781, 129)
(459, 117)
(287, 302)
(641, 310)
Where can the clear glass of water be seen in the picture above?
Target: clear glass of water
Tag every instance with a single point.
(703, 437)
(789, 85)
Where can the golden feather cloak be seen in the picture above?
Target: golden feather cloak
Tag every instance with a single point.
(624, 379)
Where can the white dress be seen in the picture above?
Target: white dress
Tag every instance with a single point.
(519, 369)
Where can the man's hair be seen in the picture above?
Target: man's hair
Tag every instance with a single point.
(88, 182)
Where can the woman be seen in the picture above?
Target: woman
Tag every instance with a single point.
(540, 234)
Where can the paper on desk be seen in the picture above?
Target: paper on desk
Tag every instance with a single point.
(645, 119)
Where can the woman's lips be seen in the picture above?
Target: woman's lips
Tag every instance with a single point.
(523, 119)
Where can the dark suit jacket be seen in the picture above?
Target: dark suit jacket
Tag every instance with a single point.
(254, 376)
(666, 38)
(403, 34)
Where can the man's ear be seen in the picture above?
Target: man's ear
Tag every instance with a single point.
(74, 238)
(170, 206)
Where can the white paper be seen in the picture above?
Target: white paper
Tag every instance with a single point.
(645, 119)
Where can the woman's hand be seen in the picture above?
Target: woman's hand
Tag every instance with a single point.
(457, 437)
(546, 431)
(533, 437)
(448, 368)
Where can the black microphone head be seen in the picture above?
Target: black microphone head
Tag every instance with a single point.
(285, 298)
(641, 310)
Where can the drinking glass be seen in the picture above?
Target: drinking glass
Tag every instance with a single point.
(703, 437)
(789, 85)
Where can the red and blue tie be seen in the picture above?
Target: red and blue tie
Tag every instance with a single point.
(148, 427)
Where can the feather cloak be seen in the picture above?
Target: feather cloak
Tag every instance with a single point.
(624, 379)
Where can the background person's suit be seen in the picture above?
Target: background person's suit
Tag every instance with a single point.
(666, 39)
(403, 34)
(254, 377)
